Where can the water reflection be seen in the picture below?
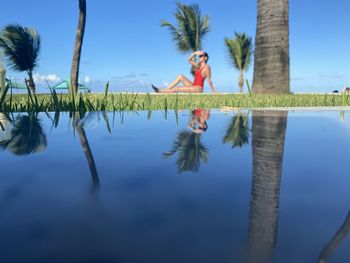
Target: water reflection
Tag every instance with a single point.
(238, 131)
(79, 122)
(341, 234)
(24, 137)
(5, 128)
(198, 123)
(188, 146)
(269, 129)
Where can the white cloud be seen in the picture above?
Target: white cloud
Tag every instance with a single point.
(41, 79)
(87, 79)
(331, 76)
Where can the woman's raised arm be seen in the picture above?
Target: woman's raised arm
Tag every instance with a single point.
(209, 80)
(191, 59)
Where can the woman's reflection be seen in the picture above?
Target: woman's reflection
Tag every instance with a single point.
(25, 137)
(198, 123)
(191, 152)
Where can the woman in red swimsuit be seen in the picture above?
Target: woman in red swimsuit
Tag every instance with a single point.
(203, 72)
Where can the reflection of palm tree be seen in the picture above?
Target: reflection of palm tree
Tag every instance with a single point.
(87, 150)
(268, 147)
(337, 239)
(190, 150)
(237, 133)
(27, 136)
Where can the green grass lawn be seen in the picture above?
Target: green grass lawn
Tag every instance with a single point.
(119, 101)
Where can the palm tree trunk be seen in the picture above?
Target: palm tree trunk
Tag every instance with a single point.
(87, 150)
(31, 83)
(241, 82)
(78, 46)
(2, 78)
(269, 130)
(271, 56)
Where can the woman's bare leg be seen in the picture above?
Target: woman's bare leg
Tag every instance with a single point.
(178, 80)
(184, 89)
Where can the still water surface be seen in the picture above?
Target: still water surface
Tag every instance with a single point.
(165, 187)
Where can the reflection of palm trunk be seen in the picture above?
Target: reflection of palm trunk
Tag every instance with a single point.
(268, 147)
(337, 239)
(87, 150)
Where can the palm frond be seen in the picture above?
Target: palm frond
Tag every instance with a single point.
(240, 51)
(191, 27)
(205, 26)
(181, 45)
(185, 21)
(21, 46)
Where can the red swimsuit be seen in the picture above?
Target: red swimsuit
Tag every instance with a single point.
(197, 112)
(199, 79)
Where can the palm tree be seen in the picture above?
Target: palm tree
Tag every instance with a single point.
(190, 151)
(271, 55)
(240, 50)
(191, 30)
(78, 46)
(27, 136)
(237, 133)
(268, 131)
(21, 46)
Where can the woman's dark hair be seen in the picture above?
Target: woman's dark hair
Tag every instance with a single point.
(206, 54)
(205, 128)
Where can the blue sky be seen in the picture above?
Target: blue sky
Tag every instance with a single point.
(125, 44)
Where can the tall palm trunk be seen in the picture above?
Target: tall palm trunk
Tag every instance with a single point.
(271, 62)
(268, 148)
(241, 81)
(31, 83)
(78, 46)
(87, 150)
(2, 78)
